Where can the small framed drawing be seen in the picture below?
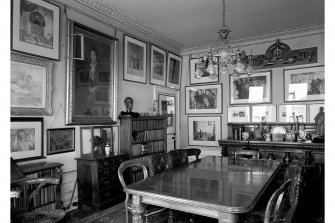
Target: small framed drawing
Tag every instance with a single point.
(263, 113)
(26, 138)
(35, 28)
(173, 71)
(238, 114)
(158, 66)
(60, 140)
(251, 89)
(314, 109)
(292, 113)
(204, 76)
(135, 60)
(203, 99)
(30, 85)
(167, 107)
(304, 84)
(204, 130)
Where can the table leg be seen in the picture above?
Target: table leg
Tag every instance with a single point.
(137, 209)
(227, 218)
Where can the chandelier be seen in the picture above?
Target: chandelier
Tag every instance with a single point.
(221, 53)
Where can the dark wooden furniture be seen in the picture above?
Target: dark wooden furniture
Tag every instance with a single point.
(193, 152)
(217, 187)
(142, 135)
(177, 157)
(98, 183)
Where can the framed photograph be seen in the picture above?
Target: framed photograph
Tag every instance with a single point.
(203, 99)
(30, 85)
(304, 84)
(290, 113)
(26, 138)
(204, 130)
(35, 28)
(158, 66)
(263, 113)
(314, 109)
(173, 71)
(238, 114)
(60, 140)
(251, 89)
(135, 60)
(205, 78)
(91, 82)
(167, 107)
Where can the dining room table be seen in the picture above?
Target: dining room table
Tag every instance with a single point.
(214, 186)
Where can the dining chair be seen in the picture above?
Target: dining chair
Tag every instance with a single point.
(176, 158)
(193, 152)
(150, 210)
(157, 163)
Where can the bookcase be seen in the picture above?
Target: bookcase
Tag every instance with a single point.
(143, 135)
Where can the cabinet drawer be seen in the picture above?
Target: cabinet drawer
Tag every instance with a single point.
(109, 194)
(105, 164)
(106, 173)
(108, 182)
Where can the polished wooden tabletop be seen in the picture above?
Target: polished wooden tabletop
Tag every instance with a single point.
(227, 184)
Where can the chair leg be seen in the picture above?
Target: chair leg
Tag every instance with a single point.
(127, 221)
(146, 219)
(170, 220)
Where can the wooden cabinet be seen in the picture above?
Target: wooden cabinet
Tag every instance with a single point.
(143, 135)
(98, 182)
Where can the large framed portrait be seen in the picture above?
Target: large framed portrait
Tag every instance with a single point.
(173, 71)
(314, 110)
(205, 76)
(167, 107)
(61, 140)
(251, 89)
(264, 113)
(292, 113)
(91, 82)
(30, 85)
(26, 138)
(204, 130)
(304, 84)
(158, 66)
(135, 60)
(238, 114)
(35, 28)
(203, 99)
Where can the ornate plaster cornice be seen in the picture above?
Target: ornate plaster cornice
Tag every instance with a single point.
(119, 20)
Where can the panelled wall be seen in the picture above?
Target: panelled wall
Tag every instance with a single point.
(297, 41)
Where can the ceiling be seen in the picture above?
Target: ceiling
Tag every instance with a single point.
(193, 22)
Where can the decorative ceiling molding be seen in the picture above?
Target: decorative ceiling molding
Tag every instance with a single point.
(257, 38)
(114, 17)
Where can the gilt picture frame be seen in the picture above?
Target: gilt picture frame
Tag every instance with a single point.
(35, 28)
(173, 71)
(157, 66)
(205, 77)
(204, 130)
(60, 140)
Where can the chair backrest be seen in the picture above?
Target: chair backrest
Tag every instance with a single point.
(157, 163)
(250, 154)
(193, 152)
(177, 157)
(130, 164)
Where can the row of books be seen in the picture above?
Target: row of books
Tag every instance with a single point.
(148, 124)
(149, 147)
(148, 135)
(47, 194)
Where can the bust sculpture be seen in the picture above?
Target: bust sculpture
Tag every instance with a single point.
(129, 103)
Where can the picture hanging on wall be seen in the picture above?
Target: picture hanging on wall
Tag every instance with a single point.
(292, 113)
(204, 130)
(264, 113)
(314, 110)
(173, 71)
(201, 76)
(135, 60)
(203, 99)
(158, 66)
(247, 89)
(238, 114)
(60, 140)
(304, 84)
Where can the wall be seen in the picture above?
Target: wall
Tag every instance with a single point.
(297, 41)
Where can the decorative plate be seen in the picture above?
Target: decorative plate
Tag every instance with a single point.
(278, 130)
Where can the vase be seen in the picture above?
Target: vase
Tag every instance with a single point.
(107, 150)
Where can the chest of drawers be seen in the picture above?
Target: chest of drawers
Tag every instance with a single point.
(98, 183)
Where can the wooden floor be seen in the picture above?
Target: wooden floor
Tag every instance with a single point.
(77, 214)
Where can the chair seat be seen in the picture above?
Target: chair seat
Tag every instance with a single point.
(47, 216)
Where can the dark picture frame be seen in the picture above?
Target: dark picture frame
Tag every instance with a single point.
(92, 82)
(173, 71)
(157, 66)
(60, 140)
(204, 130)
(26, 138)
(35, 28)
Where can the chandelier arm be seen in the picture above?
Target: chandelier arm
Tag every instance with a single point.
(223, 13)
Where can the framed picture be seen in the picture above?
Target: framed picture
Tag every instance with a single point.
(173, 71)
(264, 113)
(204, 78)
(30, 85)
(26, 138)
(238, 114)
(203, 99)
(135, 60)
(91, 82)
(204, 130)
(314, 109)
(290, 113)
(158, 66)
(60, 140)
(35, 28)
(167, 107)
(251, 89)
(304, 84)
